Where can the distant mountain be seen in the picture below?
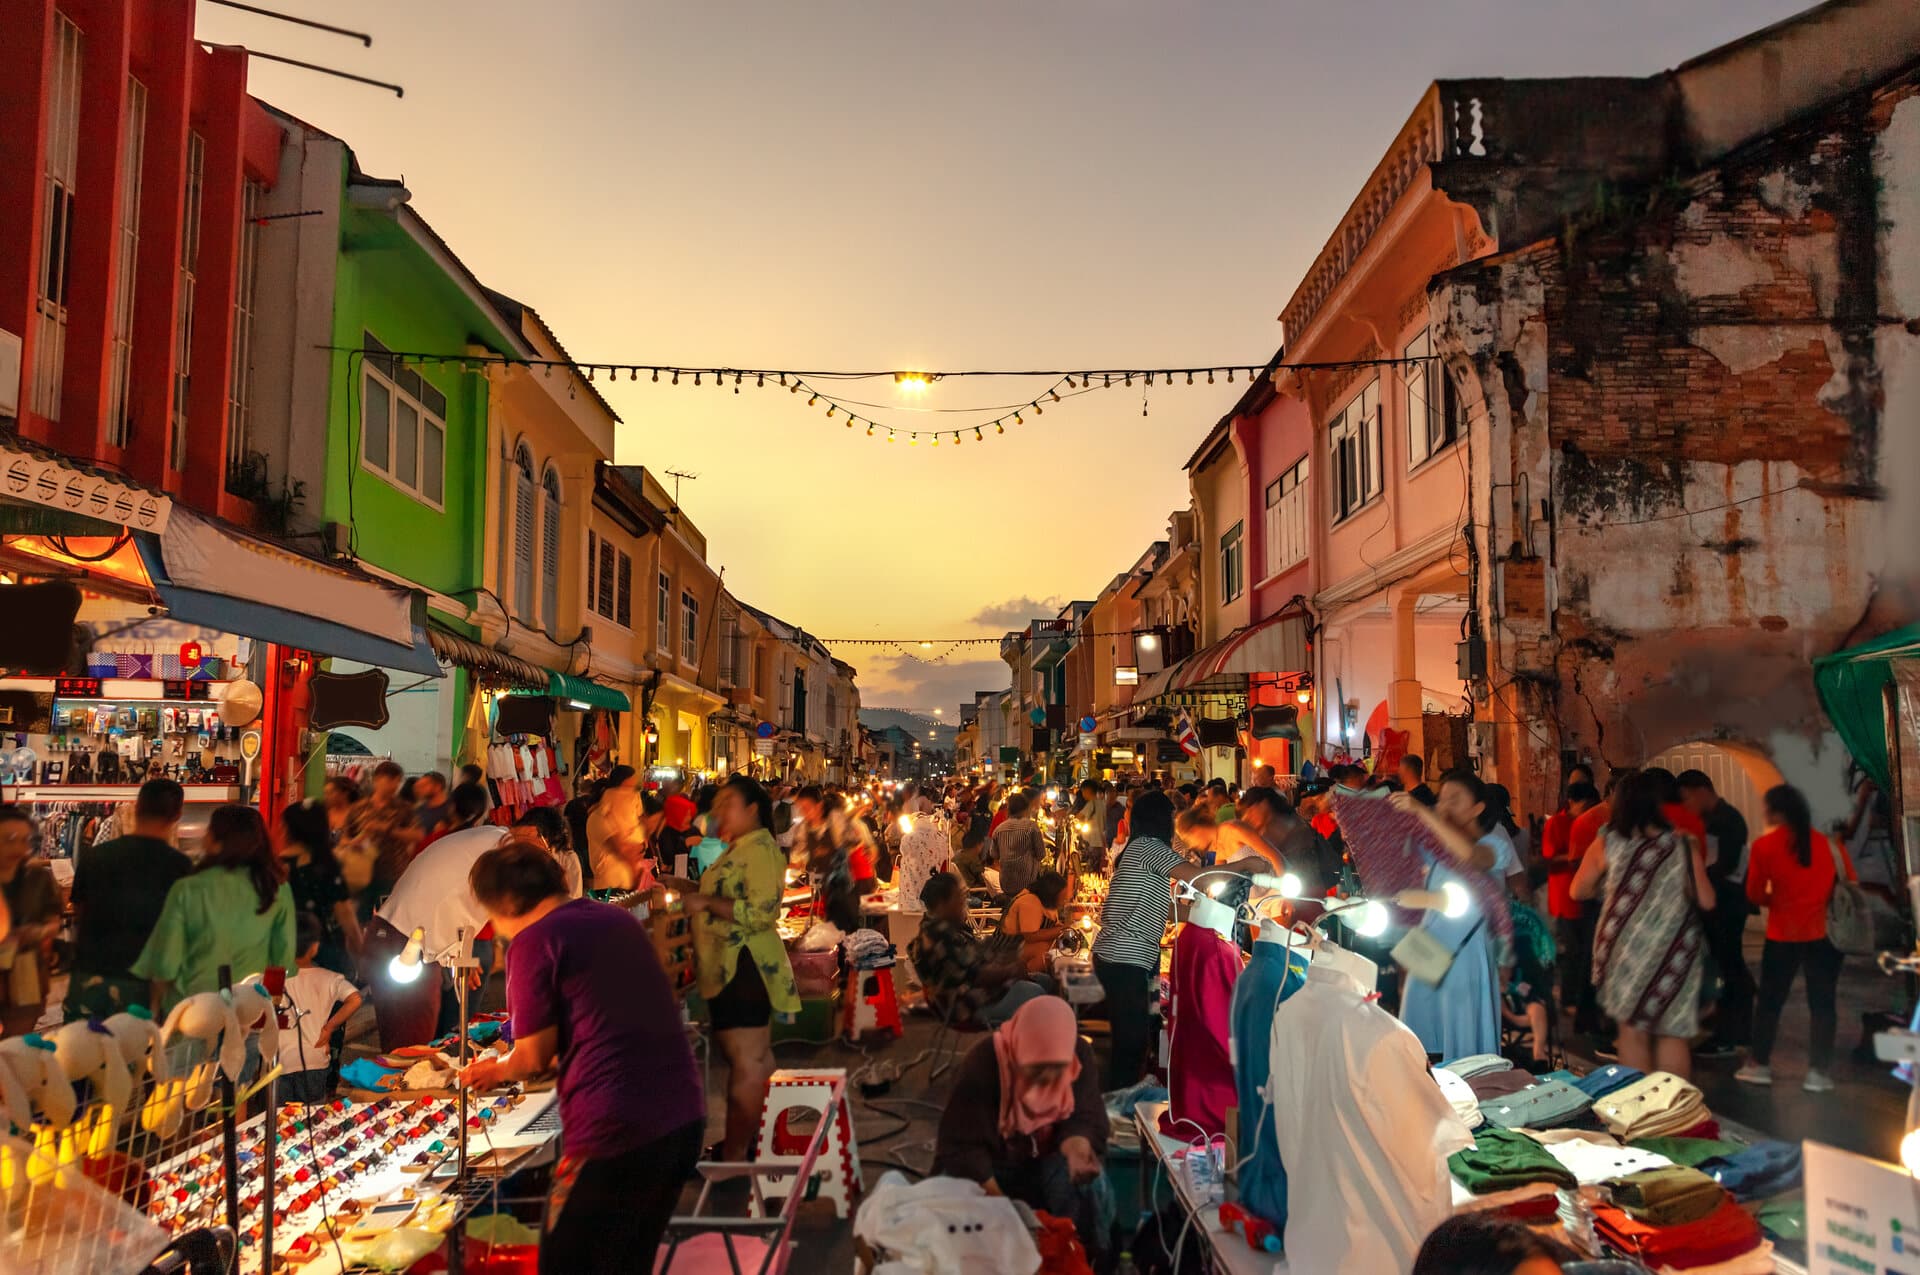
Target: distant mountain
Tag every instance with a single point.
(927, 730)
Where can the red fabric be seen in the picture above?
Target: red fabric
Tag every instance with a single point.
(1587, 828)
(1795, 897)
(999, 817)
(1061, 1252)
(1325, 824)
(1708, 1129)
(1200, 1084)
(1721, 1236)
(860, 863)
(1556, 847)
(1684, 820)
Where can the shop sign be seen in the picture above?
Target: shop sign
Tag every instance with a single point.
(1009, 756)
(1862, 1215)
(349, 699)
(44, 480)
(1126, 675)
(765, 730)
(763, 747)
(1122, 756)
(186, 690)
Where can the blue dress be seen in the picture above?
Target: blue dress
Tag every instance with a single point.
(1271, 977)
(1462, 1015)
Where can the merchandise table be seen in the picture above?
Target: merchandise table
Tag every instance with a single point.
(1231, 1254)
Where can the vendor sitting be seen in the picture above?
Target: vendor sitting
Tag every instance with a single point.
(1034, 916)
(960, 975)
(1026, 1120)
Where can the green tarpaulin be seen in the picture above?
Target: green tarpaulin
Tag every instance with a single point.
(1852, 685)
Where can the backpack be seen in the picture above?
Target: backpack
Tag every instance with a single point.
(1859, 923)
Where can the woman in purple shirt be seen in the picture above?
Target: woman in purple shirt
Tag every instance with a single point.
(585, 988)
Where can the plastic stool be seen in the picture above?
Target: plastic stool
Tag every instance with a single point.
(871, 1004)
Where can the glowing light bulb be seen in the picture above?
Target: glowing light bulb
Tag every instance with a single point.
(906, 823)
(1291, 885)
(1910, 1151)
(1304, 696)
(1217, 889)
(998, 428)
(1373, 920)
(1458, 900)
(812, 399)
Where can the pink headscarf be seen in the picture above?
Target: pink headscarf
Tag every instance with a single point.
(1041, 1031)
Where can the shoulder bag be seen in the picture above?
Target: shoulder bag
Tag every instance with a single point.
(1858, 921)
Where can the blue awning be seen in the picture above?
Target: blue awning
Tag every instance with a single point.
(207, 573)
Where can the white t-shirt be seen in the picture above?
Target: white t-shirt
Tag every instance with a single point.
(315, 992)
(433, 893)
(1506, 859)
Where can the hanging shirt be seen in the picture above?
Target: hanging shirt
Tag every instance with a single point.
(1200, 1072)
(923, 851)
(1363, 1129)
(1271, 977)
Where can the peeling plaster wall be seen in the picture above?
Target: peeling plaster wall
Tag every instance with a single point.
(1716, 386)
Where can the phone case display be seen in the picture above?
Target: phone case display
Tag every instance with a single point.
(344, 1171)
(105, 743)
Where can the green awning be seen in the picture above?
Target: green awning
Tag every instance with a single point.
(1852, 686)
(577, 691)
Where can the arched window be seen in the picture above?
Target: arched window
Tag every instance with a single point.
(523, 514)
(550, 550)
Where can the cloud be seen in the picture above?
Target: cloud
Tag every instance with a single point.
(924, 687)
(1015, 612)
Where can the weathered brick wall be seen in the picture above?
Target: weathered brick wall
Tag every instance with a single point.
(1693, 373)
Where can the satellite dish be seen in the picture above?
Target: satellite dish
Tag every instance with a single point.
(240, 705)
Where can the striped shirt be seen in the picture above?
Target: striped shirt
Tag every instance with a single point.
(1138, 903)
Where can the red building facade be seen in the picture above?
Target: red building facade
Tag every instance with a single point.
(130, 158)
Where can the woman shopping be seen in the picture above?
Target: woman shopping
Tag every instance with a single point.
(1455, 1010)
(1791, 872)
(742, 964)
(233, 910)
(1648, 948)
(1025, 1119)
(585, 990)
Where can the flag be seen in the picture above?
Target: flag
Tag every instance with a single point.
(1186, 736)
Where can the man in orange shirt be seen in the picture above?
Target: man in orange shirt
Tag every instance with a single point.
(1563, 844)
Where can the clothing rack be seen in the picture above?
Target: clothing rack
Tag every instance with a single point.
(67, 827)
(355, 766)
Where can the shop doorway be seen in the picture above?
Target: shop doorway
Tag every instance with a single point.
(1740, 774)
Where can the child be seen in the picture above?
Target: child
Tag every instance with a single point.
(322, 1002)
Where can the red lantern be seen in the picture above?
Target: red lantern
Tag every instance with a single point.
(190, 655)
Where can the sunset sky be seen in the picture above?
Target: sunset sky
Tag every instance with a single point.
(940, 184)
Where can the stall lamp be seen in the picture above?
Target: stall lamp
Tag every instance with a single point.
(1910, 1151)
(578, 704)
(405, 968)
(906, 823)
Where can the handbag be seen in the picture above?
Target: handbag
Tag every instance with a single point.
(1857, 919)
(1426, 957)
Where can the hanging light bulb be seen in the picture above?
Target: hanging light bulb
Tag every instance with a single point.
(829, 413)
(1056, 396)
(913, 440)
(1106, 382)
(812, 399)
(1039, 410)
(656, 376)
(1189, 378)
(869, 429)
(760, 381)
(737, 376)
(696, 378)
(998, 428)
(1229, 376)
(1129, 380)
(589, 374)
(676, 376)
(936, 440)
(851, 420)
(1017, 420)
(1209, 376)
(547, 371)
(889, 436)
(783, 378)
(977, 435)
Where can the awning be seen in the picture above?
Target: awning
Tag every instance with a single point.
(36, 475)
(1852, 686)
(1277, 644)
(210, 574)
(484, 660)
(579, 691)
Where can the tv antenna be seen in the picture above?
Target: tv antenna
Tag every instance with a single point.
(677, 475)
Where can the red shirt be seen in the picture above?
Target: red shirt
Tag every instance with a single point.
(1795, 897)
(1556, 847)
(860, 863)
(1587, 828)
(999, 817)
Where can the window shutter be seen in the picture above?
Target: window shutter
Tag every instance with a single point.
(605, 573)
(523, 512)
(623, 611)
(550, 562)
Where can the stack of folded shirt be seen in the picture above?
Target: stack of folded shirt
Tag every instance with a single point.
(1758, 1171)
(1658, 1105)
(1592, 1161)
(1688, 1151)
(1498, 1084)
(1599, 1083)
(1537, 1106)
(1459, 1097)
(1672, 1195)
(1476, 1064)
(1501, 1160)
(1726, 1233)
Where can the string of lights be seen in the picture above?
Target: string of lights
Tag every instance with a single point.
(1062, 384)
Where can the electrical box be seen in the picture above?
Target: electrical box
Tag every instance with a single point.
(1471, 657)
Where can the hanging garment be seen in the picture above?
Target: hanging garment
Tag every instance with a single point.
(1362, 1128)
(1200, 1067)
(1273, 975)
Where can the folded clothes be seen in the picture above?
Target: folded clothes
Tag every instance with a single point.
(1602, 1081)
(1502, 1159)
(1672, 1195)
(1497, 1084)
(1707, 1130)
(1562, 1075)
(1784, 1217)
(1592, 1163)
(1722, 1235)
(1461, 1098)
(1539, 1106)
(1687, 1151)
(1476, 1064)
(1758, 1171)
(1553, 1137)
(1658, 1105)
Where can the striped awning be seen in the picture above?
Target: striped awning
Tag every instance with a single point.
(493, 665)
(1277, 644)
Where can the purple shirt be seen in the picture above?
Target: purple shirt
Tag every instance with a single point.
(626, 1071)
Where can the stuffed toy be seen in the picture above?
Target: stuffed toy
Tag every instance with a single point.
(207, 1017)
(37, 1082)
(87, 1051)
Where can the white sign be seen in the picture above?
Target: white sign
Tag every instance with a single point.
(763, 747)
(43, 480)
(1862, 1215)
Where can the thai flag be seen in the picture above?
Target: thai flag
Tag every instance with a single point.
(1188, 738)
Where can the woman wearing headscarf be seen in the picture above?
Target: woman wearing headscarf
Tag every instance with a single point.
(1025, 1119)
